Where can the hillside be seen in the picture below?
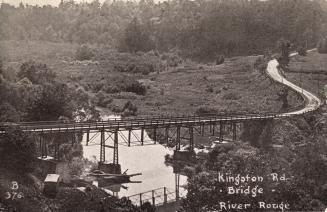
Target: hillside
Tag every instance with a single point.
(235, 86)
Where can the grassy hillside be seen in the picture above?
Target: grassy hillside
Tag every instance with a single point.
(309, 71)
(182, 88)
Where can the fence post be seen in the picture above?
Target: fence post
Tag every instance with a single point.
(153, 199)
(140, 199)
(165, 195)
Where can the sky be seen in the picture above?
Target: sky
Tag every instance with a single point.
(41, 2)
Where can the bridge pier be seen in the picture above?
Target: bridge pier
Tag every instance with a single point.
(191, 138)
(129, 137)
(102, 146)
(142, 136)
(177, 179)
(155, 135)
(56, 153)
(73, 138)
(202, 130)
(167, 135)
(87, 137)
(178, 138)
(43, 147)
(221, 131)
(234, 131)
(115, 156)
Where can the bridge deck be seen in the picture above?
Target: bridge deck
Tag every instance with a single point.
(134, 123)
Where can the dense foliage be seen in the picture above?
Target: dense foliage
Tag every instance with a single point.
(304, 165)
(35, 94)
(201, 29)
(17, 151)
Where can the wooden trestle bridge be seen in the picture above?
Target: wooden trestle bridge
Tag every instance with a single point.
(163, 128)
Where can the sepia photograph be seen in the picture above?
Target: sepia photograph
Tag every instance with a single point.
(163, 106)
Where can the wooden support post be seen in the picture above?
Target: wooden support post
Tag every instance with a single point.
(73, 138)
(56, 153)
(142, 136)
(221, 131)
(234, 131)
(45, 148)
(202, 130)
(41, 146)
(167, 135)
(102, 146)
(213, 129)
(87, 137)
(178, 138)
(129, 137)
(177, 186)
(115, 159)
(155, 135)
(191, 138)
(153, 199)
(140, 199)
(165, 195)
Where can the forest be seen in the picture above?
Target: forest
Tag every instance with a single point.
(197, 29)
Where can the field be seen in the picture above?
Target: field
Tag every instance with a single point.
(309, 72)
(234, 86)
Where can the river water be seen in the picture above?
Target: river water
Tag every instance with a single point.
(148, 160)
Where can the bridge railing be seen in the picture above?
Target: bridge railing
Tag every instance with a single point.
(140, 122)
(157, 197)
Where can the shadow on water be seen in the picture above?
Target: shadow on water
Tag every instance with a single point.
(148, 160)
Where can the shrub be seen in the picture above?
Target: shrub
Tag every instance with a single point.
(202, 111)
(116, 109)
(172, 59)
(284, 47)
(231, 96)
(37, 73)
(220, 59)
(322, 46)
(84, 53)
(129, 109)
(209, 89)
(302, 51)
(134, 87)
(111, 88)
(102, 99)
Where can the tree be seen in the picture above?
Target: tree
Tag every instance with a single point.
(84, 53)
(54, 101)
(8, 113)
(284, 48)
(1, 66)
(17, 151)
(322, 46)
(37, 73)
(136, 38)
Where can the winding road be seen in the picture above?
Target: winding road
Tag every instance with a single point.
(312, 101)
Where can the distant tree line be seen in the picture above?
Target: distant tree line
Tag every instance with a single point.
(199, 29)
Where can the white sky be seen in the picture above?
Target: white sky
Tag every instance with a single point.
(41, 2)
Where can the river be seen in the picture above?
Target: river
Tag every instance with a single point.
(148, 160)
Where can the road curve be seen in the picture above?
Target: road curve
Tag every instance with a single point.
(312, 102)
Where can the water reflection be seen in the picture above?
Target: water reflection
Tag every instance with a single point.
(148, 159)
